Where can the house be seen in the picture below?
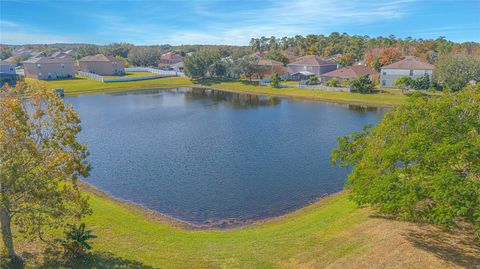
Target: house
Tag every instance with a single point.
(62, 54)
(170, 58)
(8, 74)
(177, 67)
(7, 67)
(268, 67)
(410, 66)
(349, 73)
(49, 68)
(102, 65)
(309, 65)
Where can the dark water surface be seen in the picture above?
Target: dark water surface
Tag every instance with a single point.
(205, 156)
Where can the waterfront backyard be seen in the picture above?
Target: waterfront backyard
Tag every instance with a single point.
(237, 200)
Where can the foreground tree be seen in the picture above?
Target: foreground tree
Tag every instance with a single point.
(40, 161)
(421, 162)
(455, 71)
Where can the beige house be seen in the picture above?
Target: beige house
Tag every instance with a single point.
(102, 65)
(309, 65)
(49, 68)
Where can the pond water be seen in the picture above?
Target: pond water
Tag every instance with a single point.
(210, 157)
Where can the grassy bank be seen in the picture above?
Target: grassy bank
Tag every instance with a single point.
(86, 85)
(330, 233)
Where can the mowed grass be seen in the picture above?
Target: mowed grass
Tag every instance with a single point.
(132, 74)
(330, 233)
(385, 97)
(82, 84)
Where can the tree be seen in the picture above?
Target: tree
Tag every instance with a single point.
(455, 71)
(202, 63)
(218, 69)
(362, 84)
(124, 60)
(40, 161)
(312, 80)
(87, 50)
(117, 49)
(76, 239)
(275, 82)
(346, 59)
(332, 82)
(403, 82)
(5, 53)
(247, 66)
(421, 161)
(379, 57)
(144, 56)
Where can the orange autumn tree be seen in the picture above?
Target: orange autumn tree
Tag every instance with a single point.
(40, 161)
(379, 57)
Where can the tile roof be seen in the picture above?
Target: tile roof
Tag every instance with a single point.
(98, 58)
(48, 60)
(312, 60)
(171, 56)
(351, 72)
(411, 63)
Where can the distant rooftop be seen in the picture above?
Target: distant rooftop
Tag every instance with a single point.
(351, 71)
(48, 60)
(411, 63)
(98, 58)
(313, 60)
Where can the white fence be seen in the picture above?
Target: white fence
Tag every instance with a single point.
(266, 82)
(156, 73)
(165, 73)
(91, 75)
(324, 88)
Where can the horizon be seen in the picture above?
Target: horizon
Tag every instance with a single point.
(213, 22)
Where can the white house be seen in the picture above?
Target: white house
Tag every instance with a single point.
(410, 66)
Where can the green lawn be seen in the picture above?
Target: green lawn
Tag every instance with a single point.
(385, 97)
(388, 97)
(133, 74)
(330, 233)
(83, 84)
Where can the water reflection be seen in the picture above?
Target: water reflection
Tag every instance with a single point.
(208, 156)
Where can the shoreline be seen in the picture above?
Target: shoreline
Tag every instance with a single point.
(174, 222)
(239, 91)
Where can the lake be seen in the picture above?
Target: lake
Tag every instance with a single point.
(211, 157)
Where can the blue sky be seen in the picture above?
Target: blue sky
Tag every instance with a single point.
(231, 22)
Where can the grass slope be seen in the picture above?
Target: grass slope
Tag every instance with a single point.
(84, 85)
(330, 233)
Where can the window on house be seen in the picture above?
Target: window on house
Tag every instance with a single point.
(63, 66)
(411, 72)
(39, 66)
(384, 73)
(384, 82)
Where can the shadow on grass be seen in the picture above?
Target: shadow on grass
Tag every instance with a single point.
(459, 247)
(92, 260)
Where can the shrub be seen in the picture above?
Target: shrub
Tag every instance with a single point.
(275, 82)
(332, 83)
(75, 243)
(313, 80)
(362, 84)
